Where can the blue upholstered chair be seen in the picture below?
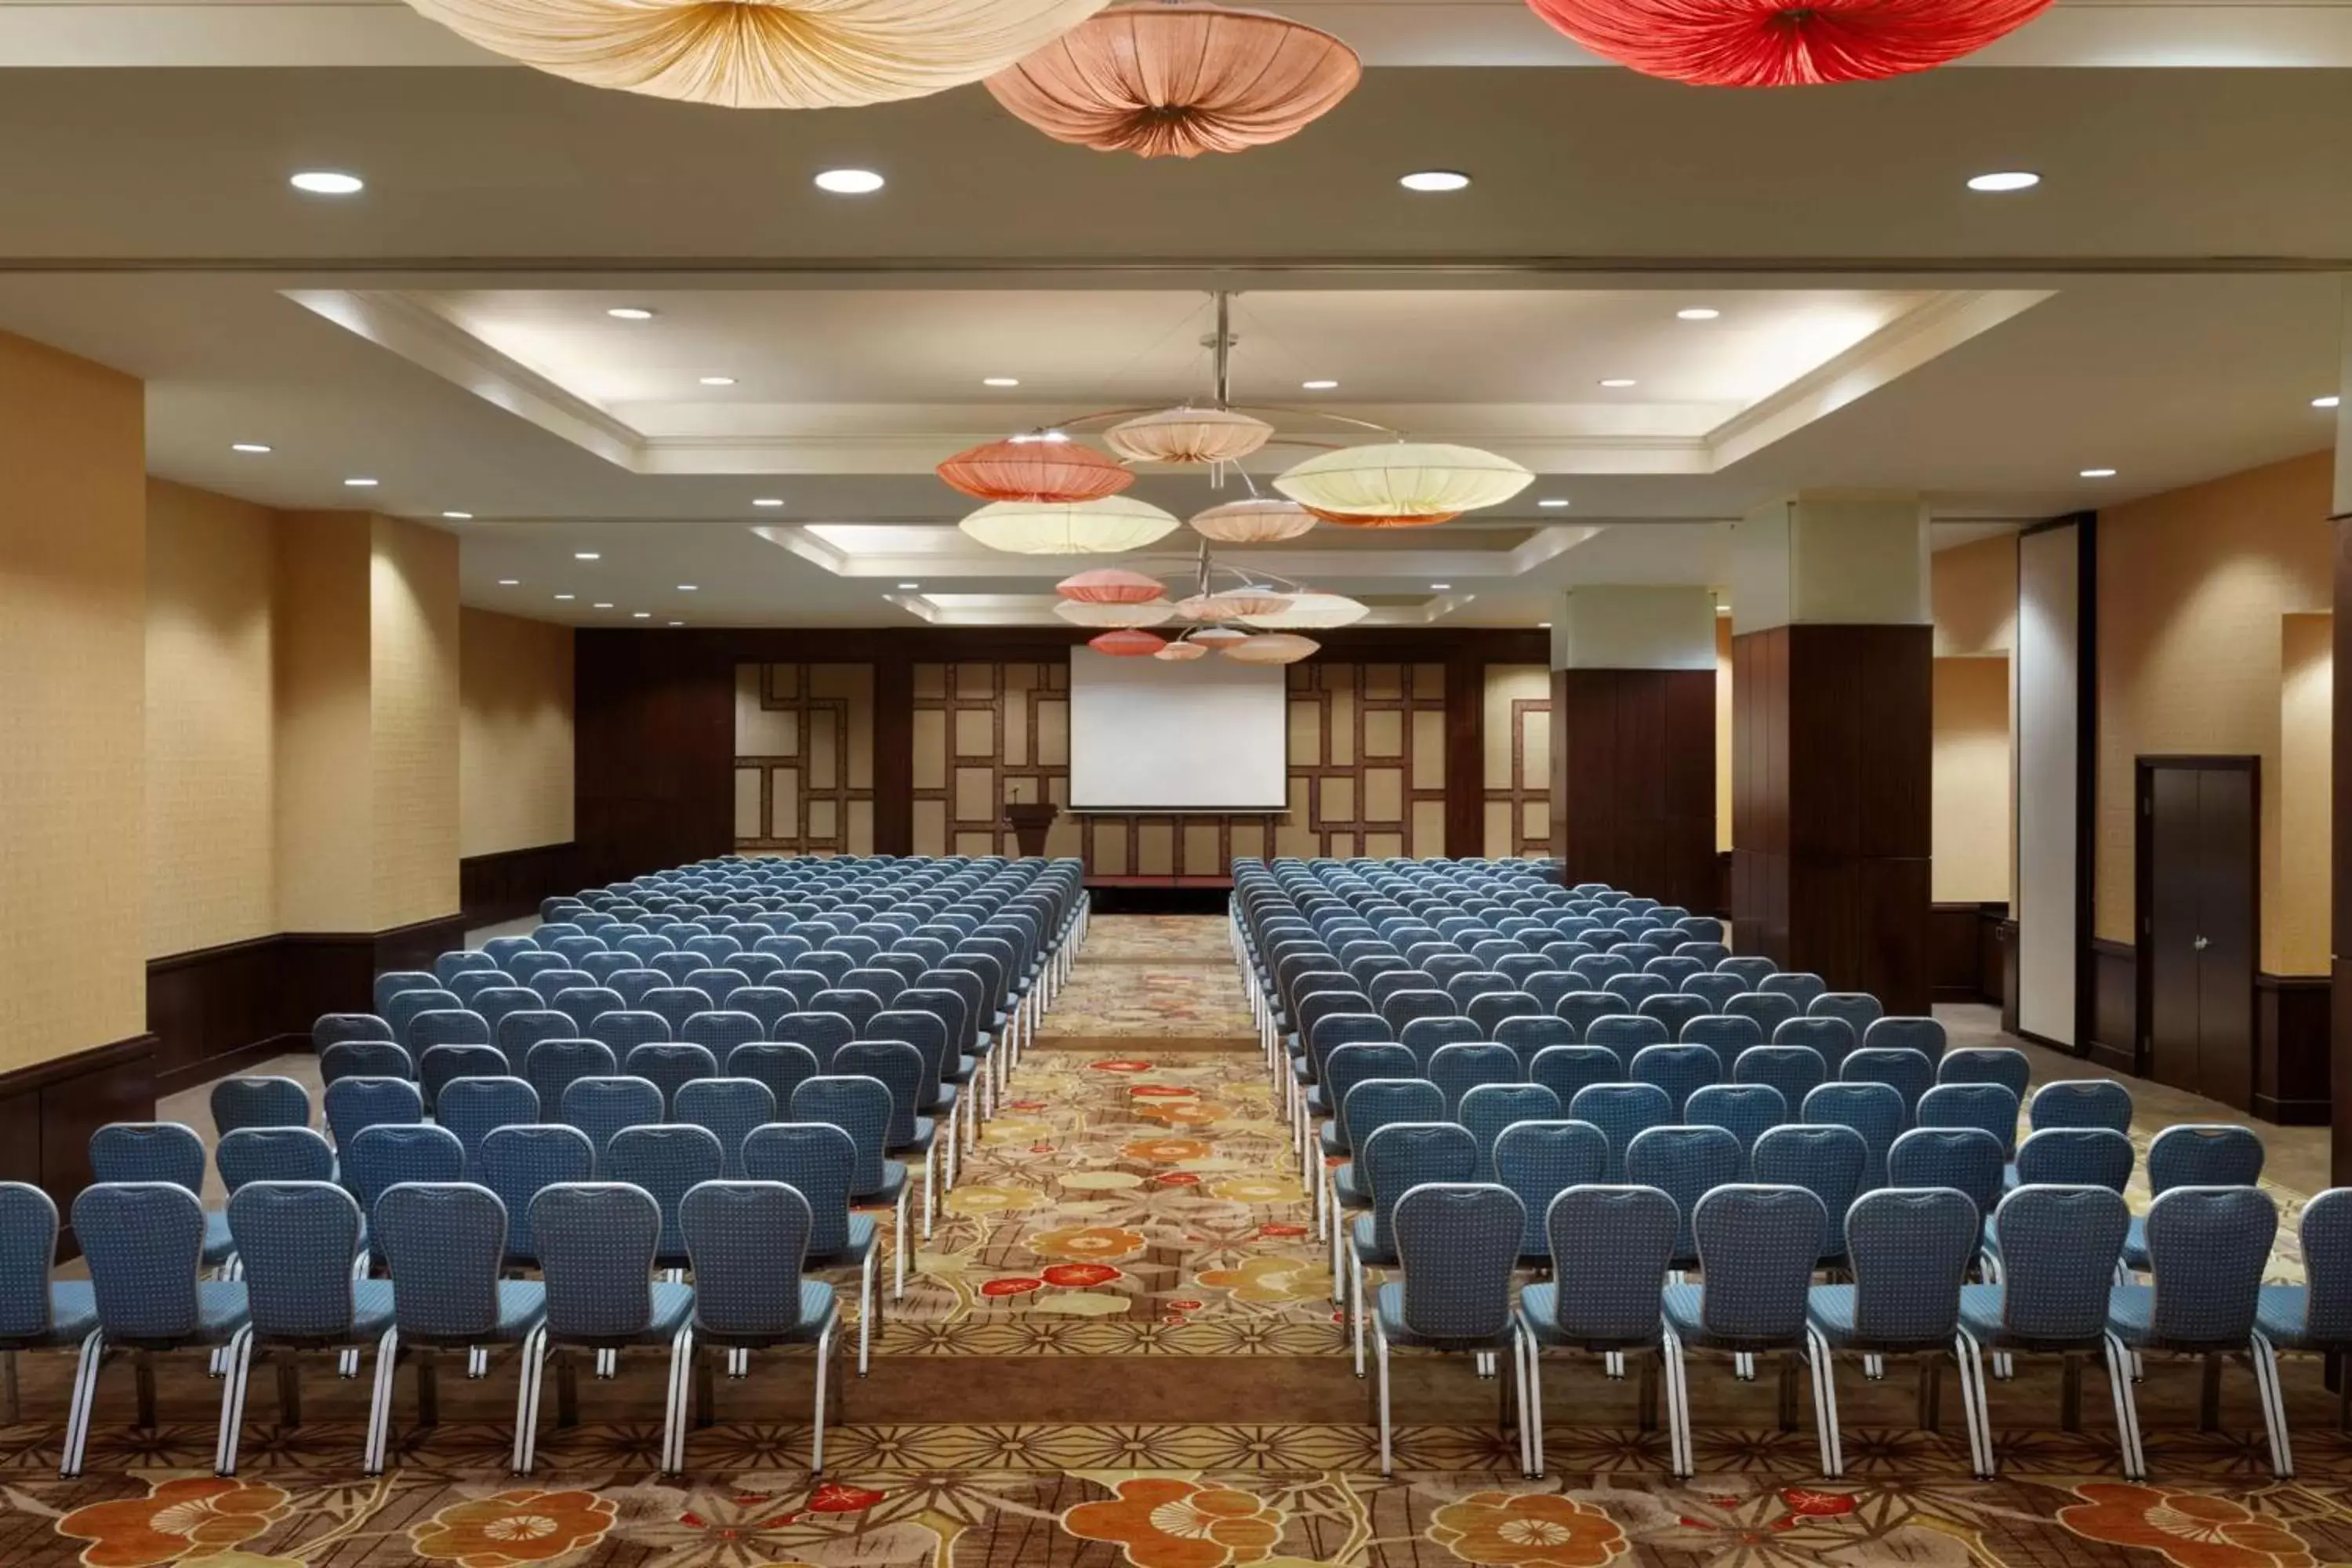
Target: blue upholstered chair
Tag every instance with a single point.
(862, 1108)
(1757, 1244)
(666, 1159)
(2194, 1154)
(1489, 1108)
(1395, 1158)
(749, 1240)
(1541, 1160)
(1459, 1244)
(1873, 1109)
(1621, 1111)
(1610, 1248)
(37, 1312)
(2315, 1318)
(258, 1102)
(1567, 1070)
(1826, 1160)
(517, 1161)
(1746, 1111)
(1685, 1163)
(601, 1107)
(1680, 1070)
(816, 1160)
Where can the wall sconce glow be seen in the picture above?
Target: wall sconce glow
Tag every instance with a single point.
(1439, 587)
(1697, 313)
(328, 182)
(678, 622)
(566, 597)
(689, 587)
(1433, 180)
(601, 604)
(909, 587)
(2004, 180)
(358, 482)
(254, 448)
(850, 182)
(2098, 473)
(641, 615)
(630, 313)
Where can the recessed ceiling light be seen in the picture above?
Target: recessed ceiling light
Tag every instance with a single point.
(328, 182)
(2332, 400)
(678, 622)
(2005, 180)
(1433, 180)
(717, 381)
(254, 447)
(1318, 386)
(1440, 587)
(2098, 473)
(1553, 502)
(601, 604)
(849, 182)
(586, 555)
(1000, 380)
(1047, 436)
(1543, 625)
(641, 615)
(1617, 381)
(766, 501)
(689, 587)
(1697, 313)
(459, 516)
(509, 581)
(630, 313)
(360, 482)
(566, 596)
(909, 585)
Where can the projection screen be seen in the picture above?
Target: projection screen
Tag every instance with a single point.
(1210, 735)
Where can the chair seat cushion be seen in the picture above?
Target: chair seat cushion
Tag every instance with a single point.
(1328, 1135)
(1830, 1310)
(2136, 1243)
(1981, 1309)
(2279, 1314)
(817, 1309)
(673, 1305)
(522, 1303)
(219, 1245)
(1539, 1313)
(1359, 1241)
(943, 1102)
(371, 1310)
(2131, 1310)
(1387, 1306)
(1680, 1305)
(894, 1182)
(1345, 1190)
(73, 1312)
(861, 1231)
(220, 1312)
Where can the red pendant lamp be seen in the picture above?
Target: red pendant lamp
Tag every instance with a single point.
(1035, 471)
(1784, 43)
(1127, 644)
(1366, 519)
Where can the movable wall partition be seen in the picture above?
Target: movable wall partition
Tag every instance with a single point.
(2055, 686)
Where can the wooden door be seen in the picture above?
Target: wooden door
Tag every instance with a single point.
(2198, 897)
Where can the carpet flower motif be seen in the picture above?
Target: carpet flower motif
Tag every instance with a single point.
(1259, 1189)
(2191, 1529)
(1162, 1523)
(1166, 1151)
(1080, 1276)
(1181, 1113)
(1268, 1281)
(980, 1200)
(510, 1528)
(191, 1519)
(1088, 1243)
(1536, 1530)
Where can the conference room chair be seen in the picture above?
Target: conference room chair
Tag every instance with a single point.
(763, 1003)
(677, 964)
(1827, 1161)
(1799, 986)
(597, 1243)
(2193, 1155)
(1965, 1159)
(274, 1154)
(143, 1242)
(821, 1034)
(552, 1065)
(729, 1108)
(2059, 1245)
(382, 1156)
(2063, 1157)
(259, 1101)
(1490, 1009)
(393, 982)
(631, 985)
(1770, 1009)
(2004, 1064)
(1529, 1034)
(1832, 1040)
(501, 1005)
(862, 1108)
(748, 1241)
(515, 1163)
(668, 1066)
(1706, 952)
(1425, 1037)
(1873, 1109)
(1675, 1010)
(1751, 968)
(1795, 1071)
(2080, 1103)
(1344, 1190)
(573, 949)
(601, 1107)
(1609, 1247)
(161, 1152)
(448, 966)
(549, 974)
(910, 1136)
(1347, 1066)
(1457, 1070)
(621, 1028)
(364, 1059)
(1458, 1243)
(1716, 990)
(1567, 1070)
(296, 1241)
(1639, 954)
(1746, 1111)
(1488, 1109)
(1621, 1111)
(331, 1030)
(502, 951)
(757, 968)
(1685, 1163)
(550, 930)
(440, 1065)
(603, 966)
(1989, 1107)
(720, 1030)
(1628, 1034)
(1758, 1244)
(1906, 1072)
(1538, 1160)
(1679, 1070)
(470, 984)
(1583, 1008)
(2315, 1317)
(1909, 1252)
(1925, 1036)
(666, 1159)
(1726, 1036)
(472, 1107)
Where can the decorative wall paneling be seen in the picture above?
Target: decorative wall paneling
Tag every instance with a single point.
(510, 883)
(2292, 1071)
(985, 736)
(1964, 950)
(804, 759)
(49, 1110)
(1519, 769)
(2114, 1042)
(1369, 760)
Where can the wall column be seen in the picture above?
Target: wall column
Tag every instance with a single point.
(2340, 783)
(1632, 795)
(1832, 694)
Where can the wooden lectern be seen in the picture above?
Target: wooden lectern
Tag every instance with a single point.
(1030, 823)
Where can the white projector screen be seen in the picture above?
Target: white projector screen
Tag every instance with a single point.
(1146, 735)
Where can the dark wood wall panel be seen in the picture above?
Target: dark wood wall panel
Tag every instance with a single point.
(1831, 804)
(2115, 1006)
(49, 1110)
(2290, 1049)
(510, 883)
(2340, 923)
(1633, 780)
(654, 739)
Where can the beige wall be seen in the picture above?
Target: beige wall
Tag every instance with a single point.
(72, 727)
(514, 732)
(325, 788)
(1974, 587)
(412, 721)
(2306, 819)
(2193, 584)
(1970, 789)
(211, 729)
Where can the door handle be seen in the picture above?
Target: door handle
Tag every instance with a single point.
(2203, 944)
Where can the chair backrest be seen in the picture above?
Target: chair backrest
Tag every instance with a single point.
(1989, 1107)
(1330, 1031)
(666, 1159)
(899, 1067)
(1425, 1037)
(748, 1241)
(1925, 1036)
(332, 1028)
(729, 1108)
(1680, 1070)
(1750, 968)
(142, 1240)
(781, 1068)
(822, 1033)
(29, 1241)
(1539, 1160)
(1621, 1111)
(624, 1029)
(295, 1241)
(1373, 1103)
(597, 1243)
(1351, 1065)
(1459, 1244)
(670, 1067)
(860, 1107)
(1675, 1010)
(472, 1107)
(1827, 1161)
(2325, 1232)
(1565, 1069)
(442, 1065)
(1721, 1033)
(1610, 1248)
(354, 1104)
(2204, 1154)
(1637, 988)
(1718, 989)
(677, 1004)
(601, 1107)
(394, 982)
(517, 1161)
(1746, 1111)
(1966, 1159)
(2004, 1064)
(148, 1151)
(1403, 1155)
(1581, 1009)
(1758, 1244)
(1909, 1249)
(1907, 1072)
(2208, 1248)
(1457, 1069)
(364, 1059)
(1797, 986)
(379, 1158)
(1872, 1109)
(1685, 1163)
(258, 1102)
(1770, 1009)
(815, 1158)
(1489, 1108)
(2058, 1252)
(273, 1155)
(1856, 1009)
(2075, 1157)
(2080, 1103)
(1831, 1038)
(524, 1027)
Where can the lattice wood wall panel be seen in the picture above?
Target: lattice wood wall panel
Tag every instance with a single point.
(1518, 760)
(804, 758)
(986, 736)
(1367, 760)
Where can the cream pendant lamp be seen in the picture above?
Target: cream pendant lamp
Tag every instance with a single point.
(1188, 436)
(1272, 648)
(1101, 526)
(1233, 604)
(1091, 612)
(1313, 612)
(1261, 519)
(1180, 652)
(1403, 479)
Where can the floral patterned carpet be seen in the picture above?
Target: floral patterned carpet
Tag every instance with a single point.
(1135, 1203)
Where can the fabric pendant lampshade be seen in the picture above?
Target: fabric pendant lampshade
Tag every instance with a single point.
(1087, 613)
(1035, 470)
(1313, 612)
(1188, 436)
(1217, 637)
(740, 54)
(1177, 81)
(1261, 519)
(1111, 585)
(1232, 605)
(1272, 648)
(1127, 644)
(1180, 652)
(1102, 526)
(1408, 520)
(1784, 43)
(1401, 479)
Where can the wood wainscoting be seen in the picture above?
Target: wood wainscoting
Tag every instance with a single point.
(2115, 1006)
(510, 884)
(1964, 952)
(2293, 1073)
(49, 1110)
